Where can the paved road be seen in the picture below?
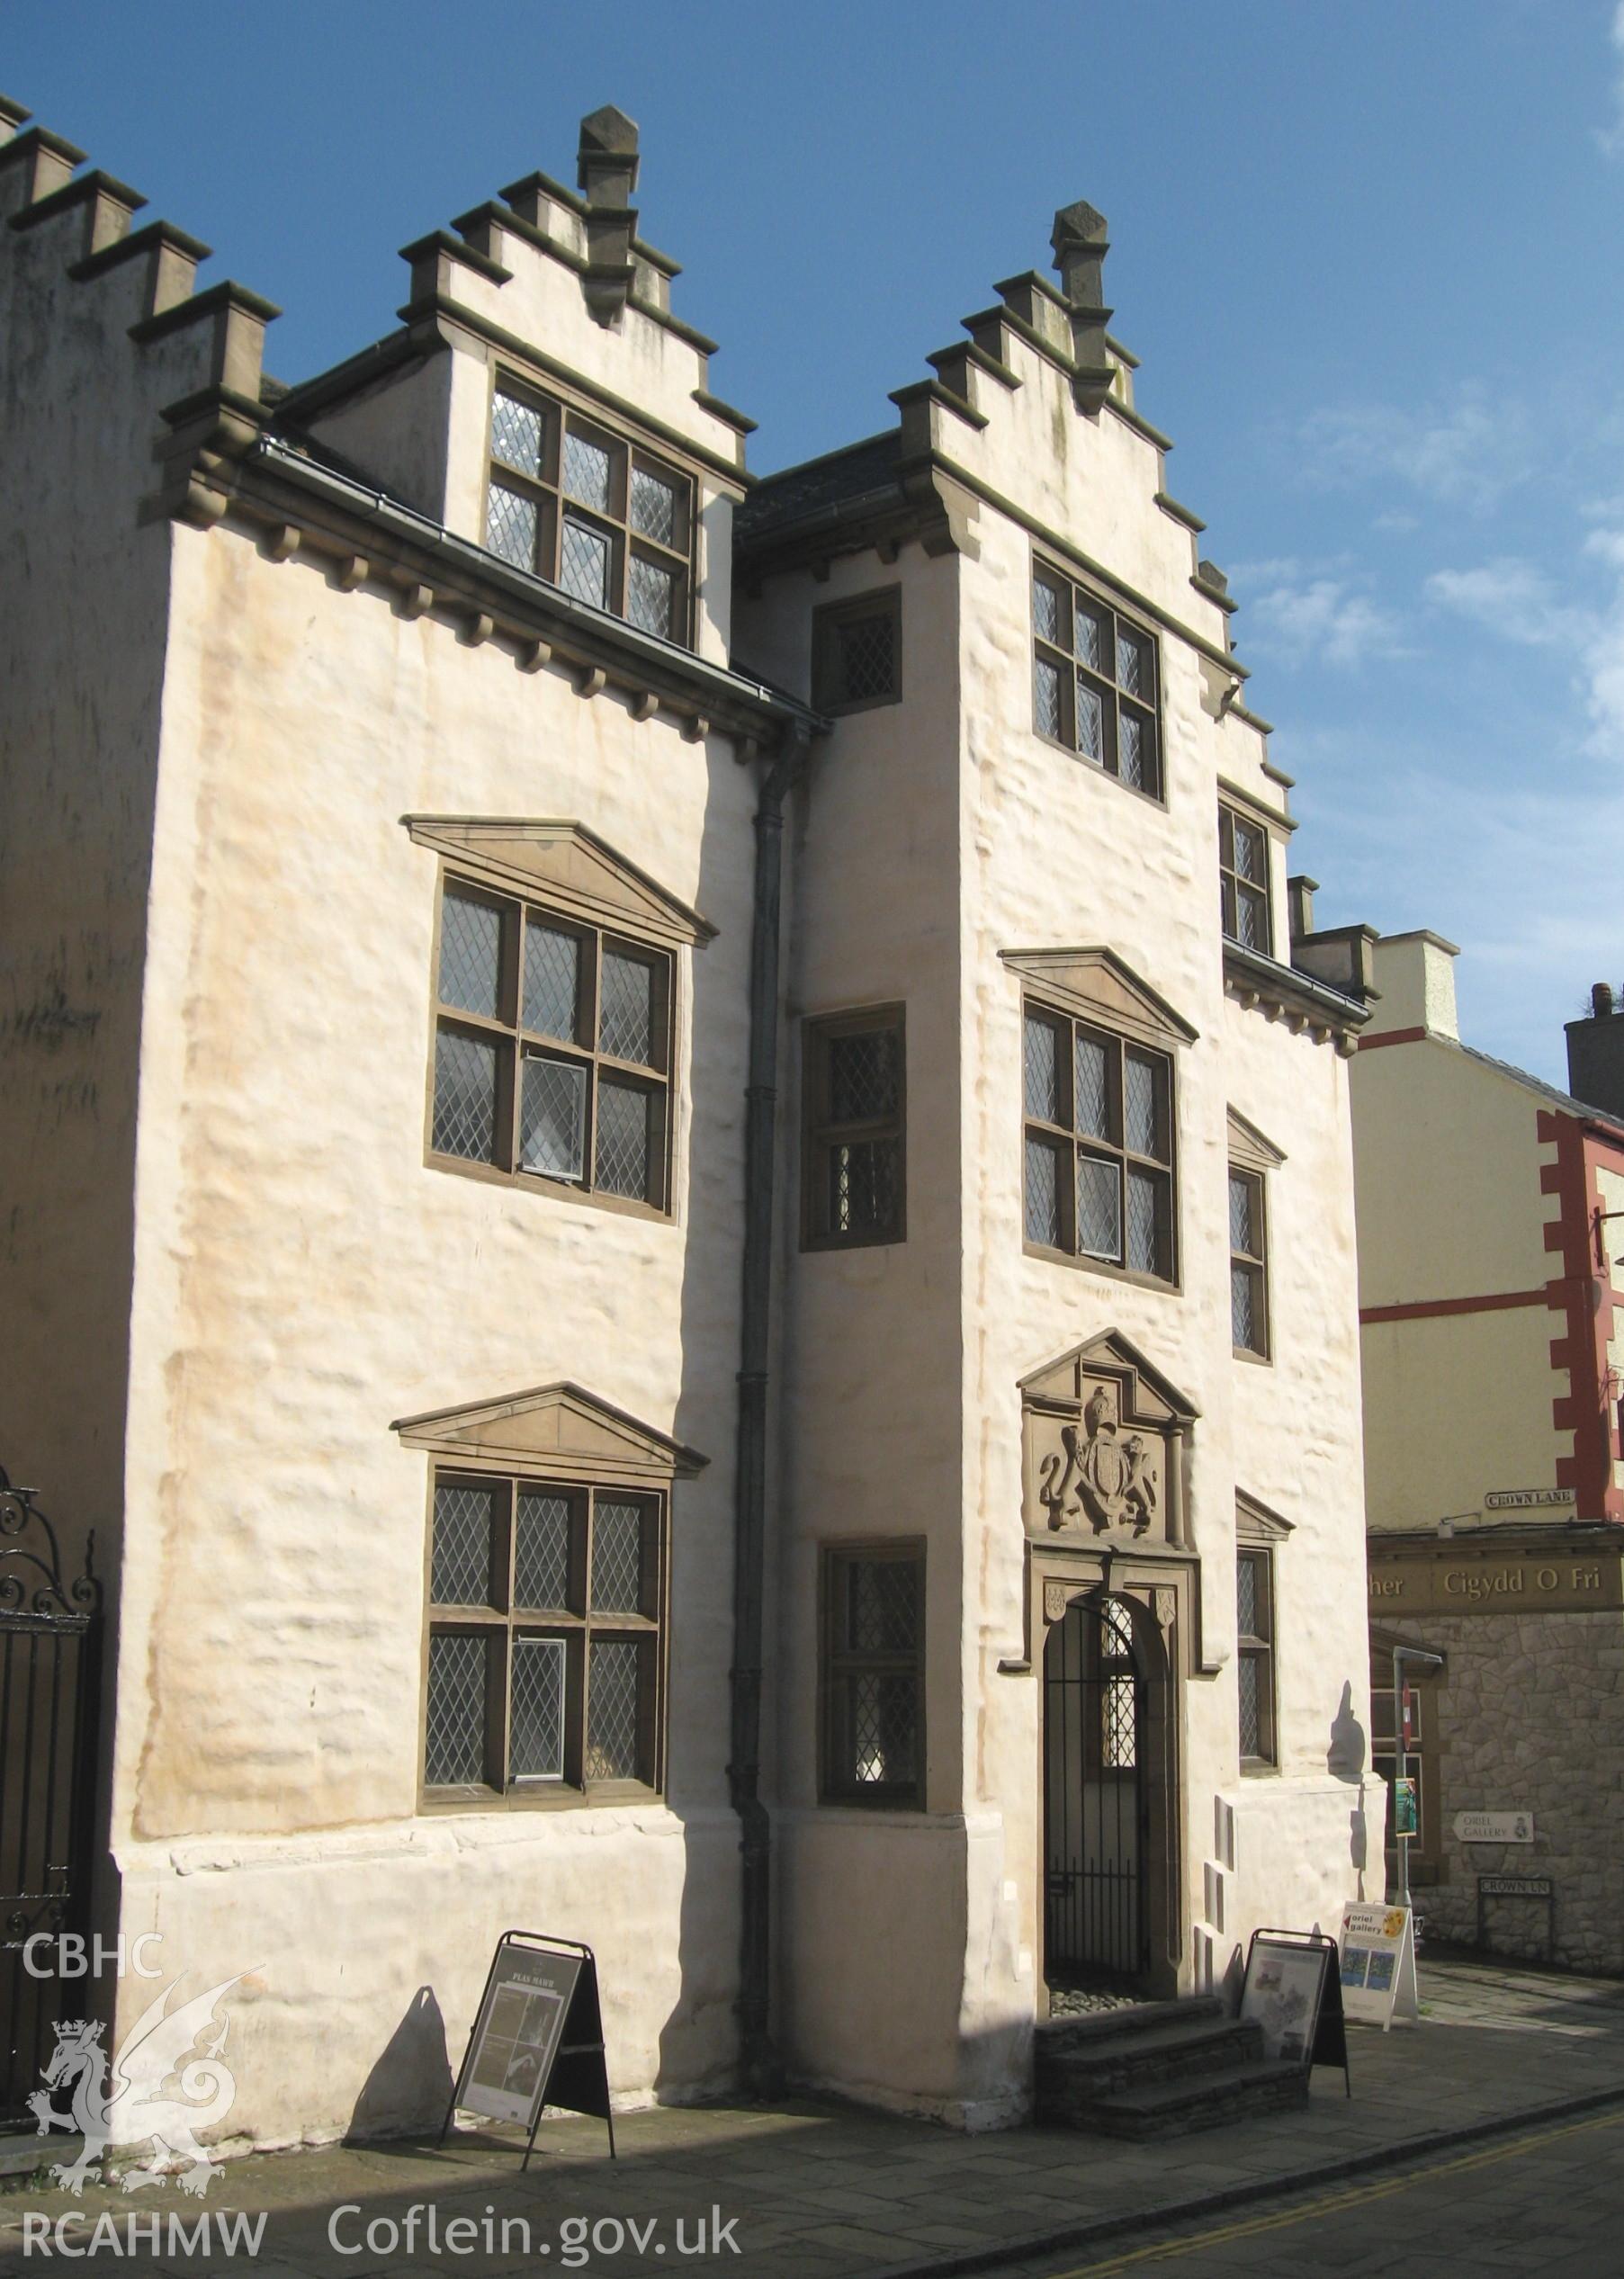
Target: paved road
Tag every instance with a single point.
(1550, 2202)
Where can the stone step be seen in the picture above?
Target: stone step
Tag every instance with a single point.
(1202, 2100)
(1096, 2027)
(1072, 2076)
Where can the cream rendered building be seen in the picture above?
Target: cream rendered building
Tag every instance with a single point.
(543, 1483)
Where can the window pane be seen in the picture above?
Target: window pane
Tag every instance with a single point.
(625, 1012)
(1098, 1208)
(1146, 1244)
(1043, 1194)
(863, 1076)
(1090, 721)
(1240, 1214)
(1132, 748)
(541, 1555)
(1048, 698)
(1252, 912)
(465, 1096)
(616, 1557)
(622, 1156)
(1250, 1671)
(865, 652)
(1246, 1328)
(1249, 854)
(464, 1530)
(1144, 1102)
(553, 1118)
(612, 1710)
(1093, 1088)
(510, 526)
(1092, 645)
(883, 1606)
(536, 1748)
(650, 596)
(471, 955)
(455, 1750)
(515, 434)
(1046, 611)
(586, 471)
(1118, 1749)
(552, 968)
(1246, 1597)
(863, 1187)
(884, 1729)
(1043, 1069)
(584, 569)
(653, 506)
(1133, 663)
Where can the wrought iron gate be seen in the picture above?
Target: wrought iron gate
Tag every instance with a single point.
(49, 1672)
(1096, 1804)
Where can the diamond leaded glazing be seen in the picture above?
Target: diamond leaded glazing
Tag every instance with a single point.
(625, 1012)
(622, 1166)
(612, 1689)
(1043, 1194)
(1143, 1223)
(885, 1724)
(1246, 1597)
(515, 434)
(1249, 1672)
(553, 1118)
(864, 1187)
(464, 1530)
(864, 1076)
(1098, 1208)
(471, 954)
(1046, 696)
(465, 1096)
(587, 471)
(510, 523)
(1133, 663)
(653, 508)
(1242, 1309)
(584, 564)
(883, 1610)
(1240, 1214)
(536, 1710)
(553, 969)
(651, 597)
(1141, 1102)
(1130, 750)
(865, 647)
(456, 1744)
(1090, 721)
(616, 1557)
(1042, 1061)
(1093, 1088)
(1092, 640)
(1117, 1739)
(1046, 609)
(541, 1551)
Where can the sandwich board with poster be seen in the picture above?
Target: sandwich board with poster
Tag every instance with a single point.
(537, 2038)
(1378, 1965)
(1290, 1989)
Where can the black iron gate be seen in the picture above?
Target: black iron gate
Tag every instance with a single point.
(1096, 1804)
(49, 1673)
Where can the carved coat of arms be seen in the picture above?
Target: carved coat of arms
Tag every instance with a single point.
(1101, 1475)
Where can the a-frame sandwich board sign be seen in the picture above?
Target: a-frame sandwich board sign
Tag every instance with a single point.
(537, 2038)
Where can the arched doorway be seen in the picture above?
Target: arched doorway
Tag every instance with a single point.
(1098, 1753)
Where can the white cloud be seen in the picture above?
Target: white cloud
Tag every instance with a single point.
(1518, 602)
(1515, 599)
(1611, 139)
(1467, 452)
(1299, 615)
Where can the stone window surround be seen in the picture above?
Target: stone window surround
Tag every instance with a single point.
(1259, 1534)
(828, 621)
(1037, 1006)
(1050, 567)
(558, 406)
(511, 1036)
(1232, 819)
(576, 1626)
(1254, 1262)
(837, 1667)
(820, 1136)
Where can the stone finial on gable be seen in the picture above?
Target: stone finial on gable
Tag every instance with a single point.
(607, 171)
(1080, 244)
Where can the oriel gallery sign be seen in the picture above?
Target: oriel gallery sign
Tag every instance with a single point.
(1548, 1577)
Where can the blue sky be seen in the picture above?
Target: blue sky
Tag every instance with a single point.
(1370, 253)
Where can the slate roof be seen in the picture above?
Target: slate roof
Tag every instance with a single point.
(821, 487)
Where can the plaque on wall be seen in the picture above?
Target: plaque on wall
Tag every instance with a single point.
(1100, 1455)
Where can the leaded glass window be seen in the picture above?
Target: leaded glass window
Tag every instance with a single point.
(874, 1625)
(1098, 1144)
(858, 652)
(1243, 899)
(1254, 1661)
(1096, 681)
(852, 1079)
(589, 511)
(1248, 1282)
(552, 1049)
(544, 1635)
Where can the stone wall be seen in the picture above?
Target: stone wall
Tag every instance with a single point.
(1529, 1716)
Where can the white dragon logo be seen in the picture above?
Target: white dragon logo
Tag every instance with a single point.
(154, 2053)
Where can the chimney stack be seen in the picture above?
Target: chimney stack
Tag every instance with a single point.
(1595, 1053)
(1080, 246)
